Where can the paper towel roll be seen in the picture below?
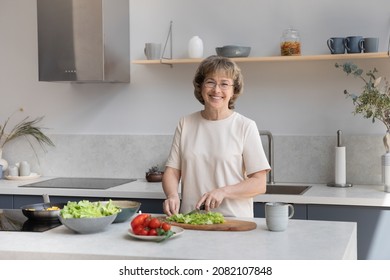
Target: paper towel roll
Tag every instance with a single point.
(340, 166)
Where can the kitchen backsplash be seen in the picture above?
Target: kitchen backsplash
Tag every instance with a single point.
(300, 159)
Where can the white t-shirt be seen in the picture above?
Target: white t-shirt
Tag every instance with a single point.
(213, 154)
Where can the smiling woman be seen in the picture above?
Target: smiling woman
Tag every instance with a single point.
(216, 153)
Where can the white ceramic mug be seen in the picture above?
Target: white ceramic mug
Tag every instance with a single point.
(152, 50)
(277, 215)
(24, 169)
(13, 171)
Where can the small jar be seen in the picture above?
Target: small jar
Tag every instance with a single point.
(290, 43)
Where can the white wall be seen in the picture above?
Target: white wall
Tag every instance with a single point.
(297, 98)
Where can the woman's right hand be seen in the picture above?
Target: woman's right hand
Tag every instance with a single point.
(170, 183)
(171, 205)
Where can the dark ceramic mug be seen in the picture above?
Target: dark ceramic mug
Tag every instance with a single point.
(336, 45)
(370, 44)
(354, 44)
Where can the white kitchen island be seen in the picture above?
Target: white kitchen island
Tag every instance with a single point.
(303, 240)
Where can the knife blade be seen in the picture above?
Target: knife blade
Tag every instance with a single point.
(196, 210)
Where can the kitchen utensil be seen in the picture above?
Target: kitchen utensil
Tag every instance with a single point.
(196, 210)
(41, 211)
(233, 51)
(228, 225)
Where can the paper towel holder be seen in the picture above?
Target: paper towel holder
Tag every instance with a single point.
(333, 184)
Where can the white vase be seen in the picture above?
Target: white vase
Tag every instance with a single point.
(386, 163)
(3, 162)
(386, 171)
(195, 47)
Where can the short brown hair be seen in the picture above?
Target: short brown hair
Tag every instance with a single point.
(214, 64)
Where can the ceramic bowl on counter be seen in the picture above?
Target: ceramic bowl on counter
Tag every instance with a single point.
(88, 225)
(233, 51)
(128, 209)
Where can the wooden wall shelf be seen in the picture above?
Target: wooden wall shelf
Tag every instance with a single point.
(379, 55)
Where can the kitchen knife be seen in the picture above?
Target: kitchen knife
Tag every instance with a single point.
(196, 210)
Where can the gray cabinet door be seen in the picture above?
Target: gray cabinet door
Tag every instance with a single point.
(6, 201)
(373, 226)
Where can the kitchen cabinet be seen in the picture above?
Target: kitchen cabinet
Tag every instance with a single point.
(373, 226)
(16, 201)
(300, 211)
(6, 201)
(378, 55)
(149, 205)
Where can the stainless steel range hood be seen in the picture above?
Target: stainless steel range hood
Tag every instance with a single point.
(83, 40)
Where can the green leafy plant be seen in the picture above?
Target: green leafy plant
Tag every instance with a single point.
(154, 170)
(24, 128)
(374, 100)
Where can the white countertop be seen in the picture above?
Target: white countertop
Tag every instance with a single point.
(357, 195)
(303, 240)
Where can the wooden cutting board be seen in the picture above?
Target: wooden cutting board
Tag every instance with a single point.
(228, 225)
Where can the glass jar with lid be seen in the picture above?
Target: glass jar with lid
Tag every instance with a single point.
(290, 43)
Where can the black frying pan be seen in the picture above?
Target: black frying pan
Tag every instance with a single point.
(41, 211)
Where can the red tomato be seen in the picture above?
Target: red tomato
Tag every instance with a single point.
(153, 232)
(138, 220)
(166, 226)
(154, 223)
(146, 222)
(140, 230)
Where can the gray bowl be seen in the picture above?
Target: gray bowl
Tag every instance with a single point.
(128, 209)
(88, 225)
(233, 51)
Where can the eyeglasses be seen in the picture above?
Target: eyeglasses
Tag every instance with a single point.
(212, 84)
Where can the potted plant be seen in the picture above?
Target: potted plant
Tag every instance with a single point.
(154, 174)
(373, 103)
(27, 128)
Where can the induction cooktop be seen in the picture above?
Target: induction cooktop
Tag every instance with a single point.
(14, 220)
(79, 183)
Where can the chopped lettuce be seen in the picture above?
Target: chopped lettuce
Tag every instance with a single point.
(87, 209)
(203, 218)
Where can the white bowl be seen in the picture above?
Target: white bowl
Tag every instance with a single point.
(88, 225)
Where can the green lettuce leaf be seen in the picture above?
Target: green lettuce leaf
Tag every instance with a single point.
(207, 218)
(87, 209)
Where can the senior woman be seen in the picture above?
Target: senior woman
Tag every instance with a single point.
(216, 154)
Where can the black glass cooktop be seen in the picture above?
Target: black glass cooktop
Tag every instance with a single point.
(14, 220)
(80, 183)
